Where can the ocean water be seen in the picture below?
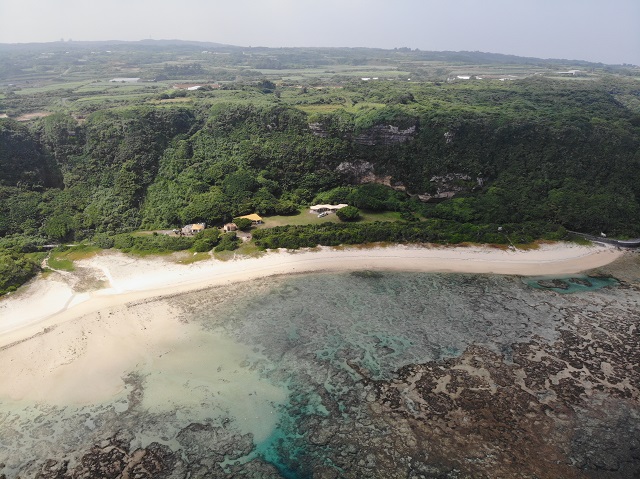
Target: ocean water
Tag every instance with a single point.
(570, 284)
(320, 333)
(268, 368)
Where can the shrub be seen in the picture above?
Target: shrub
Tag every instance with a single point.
(14, 271)
(206, 240)
(348, 213)
(152, 244)
(242, 223)
(103, 241)
(229, 242)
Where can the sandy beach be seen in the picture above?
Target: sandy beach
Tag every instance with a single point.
(59, 331)
(118, 279)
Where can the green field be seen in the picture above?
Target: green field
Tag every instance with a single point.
(307, 218)
(50, 88)
(77, 80)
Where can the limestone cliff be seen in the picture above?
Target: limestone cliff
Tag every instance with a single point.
(376, 135)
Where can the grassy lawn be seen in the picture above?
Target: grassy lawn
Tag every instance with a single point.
(52, 87)
(188, 257)
(124, 96)
(306, 218)
(385, 216)
(376, 73)
(126, 87)
(81, 252)
(57, 261)
(172, 100)
(63, 260)
(319, 108)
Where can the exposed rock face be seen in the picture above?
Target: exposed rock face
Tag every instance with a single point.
(447, 186)
(436, 197)
(376, 135)
(385, 135)
(359, 172)
(448, 136)
(318, 130)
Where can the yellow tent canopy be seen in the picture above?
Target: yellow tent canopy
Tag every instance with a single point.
(253, 217)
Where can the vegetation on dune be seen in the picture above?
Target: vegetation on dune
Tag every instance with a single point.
(15, 269)
(429, 231)
(477, 161)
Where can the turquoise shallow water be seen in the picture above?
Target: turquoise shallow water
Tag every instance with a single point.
(570, 284)
(378, 323)
(320, 333)
(273, 365)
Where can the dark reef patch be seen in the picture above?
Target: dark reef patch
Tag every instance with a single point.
(407, 376)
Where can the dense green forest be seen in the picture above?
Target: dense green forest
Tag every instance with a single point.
(479, 161)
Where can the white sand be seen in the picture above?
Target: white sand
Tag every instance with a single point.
(45, 302)
(60, 346)
(184, 368)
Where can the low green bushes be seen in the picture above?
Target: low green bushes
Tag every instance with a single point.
(348, 213)
(228, 242)
(15, 270)
(429, 231)
(129, 243)
(206, 240)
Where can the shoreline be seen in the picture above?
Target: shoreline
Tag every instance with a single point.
(48, 302)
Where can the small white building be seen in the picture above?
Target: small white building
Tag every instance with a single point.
(193, 228)
(570, 72)
(327, 208)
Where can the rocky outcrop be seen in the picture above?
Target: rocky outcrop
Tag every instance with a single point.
(384, 135)
(447, 186)
(114, 458)
(376, 135)
(444, 187)
(318, 130)
(359, 172)
(203, 448)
